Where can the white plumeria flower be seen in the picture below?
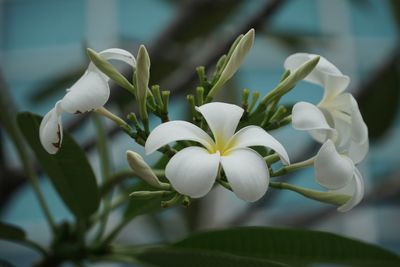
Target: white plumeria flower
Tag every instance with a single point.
(337, 116)
(90, 92)
(193, 170)
(337, 123)
(338, 174)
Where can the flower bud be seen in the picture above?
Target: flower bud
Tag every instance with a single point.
(105, 67)
(142, 79)
(234, 61)
(140, 167)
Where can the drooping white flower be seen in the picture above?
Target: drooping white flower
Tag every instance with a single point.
(193, 170)
(337, 173)
(90, 92)
(337, 123)
(337, 116)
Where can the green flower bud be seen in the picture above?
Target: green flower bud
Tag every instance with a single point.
(142, 80)
(234, 61)
(140, 167)
(108, 69)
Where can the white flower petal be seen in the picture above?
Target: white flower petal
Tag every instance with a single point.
(256, 136)
(347, 104)
(334, 85)
(357, 151)
(355, 189)
(308, 117)
(50, 130)
(119, 54)
(90, 92)
(359, 130)
(317, 76)
(324, 74)
(115, 54)
(175, 131)
(222, 118)
(342, 126)
(247, 173)
(332, 170)
(192, 171)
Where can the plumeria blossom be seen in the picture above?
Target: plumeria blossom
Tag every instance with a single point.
(337, 116)
(337, 173)
(337, 123)
(193, 170)
(90, 92)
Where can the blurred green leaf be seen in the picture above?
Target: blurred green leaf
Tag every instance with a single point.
(290, 246)
(175, 257)
(395, 8)
(380, 102)
(11, 232)
(4, 263)
(69, 170)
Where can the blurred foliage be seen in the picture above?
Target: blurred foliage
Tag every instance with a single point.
(379, 99)
(68, 170)
(261, 246)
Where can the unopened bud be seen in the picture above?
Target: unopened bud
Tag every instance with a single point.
(140, 167)
(104, 66)
(234, 60)
(142, 79)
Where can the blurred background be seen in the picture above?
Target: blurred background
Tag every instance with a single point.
(42, 52)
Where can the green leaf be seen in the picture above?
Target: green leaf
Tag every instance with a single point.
(69, 170)
(175, 257)
(290, 246)
(4, 263)
(385, 88)
(11, 232)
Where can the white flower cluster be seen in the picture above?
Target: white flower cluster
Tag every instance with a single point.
(335, 122)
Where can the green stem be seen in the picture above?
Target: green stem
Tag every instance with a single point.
(293, 167)
(8, 120)
(327, 197)
(117, 203)
(121, 176)
(271, 159)
(105, 171)
(288, 83)
(120, 122)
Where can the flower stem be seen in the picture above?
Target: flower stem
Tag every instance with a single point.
(288, 83)
(105, 171)
(271, 159)
(327, 197)
(293, 167)
(122, 176)
(120, 122)
(7, 118)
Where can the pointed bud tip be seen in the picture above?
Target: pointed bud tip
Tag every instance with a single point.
(91, 51)
(251, 31)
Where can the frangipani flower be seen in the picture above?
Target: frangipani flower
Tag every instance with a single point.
(337, 123)
(337, 116)
(338, 174)
(193, 170)
(90, 92)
